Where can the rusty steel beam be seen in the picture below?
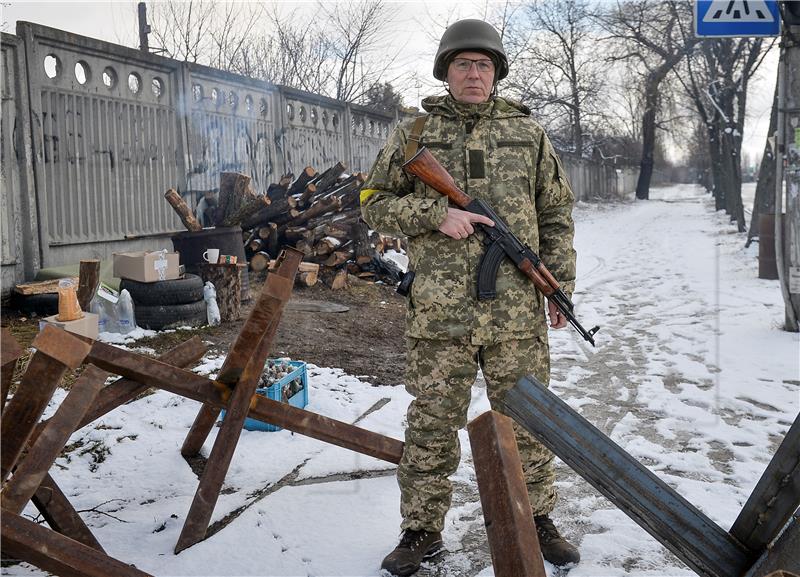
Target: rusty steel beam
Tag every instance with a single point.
(782, 557)
(261, 325)
(125, 390)
(655, 506)
(56, 352)
(50, 551)
(199, 388)
(775, 498)
(507, 511)
(247, 379)
(199, 516)
(51, 440)
(267, 310)
(61, 515)
(198, 432)
(10, 352)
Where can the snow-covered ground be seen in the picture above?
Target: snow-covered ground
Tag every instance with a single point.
(692, 375)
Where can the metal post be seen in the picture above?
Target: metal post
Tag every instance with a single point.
(788, 166)
(144, 28)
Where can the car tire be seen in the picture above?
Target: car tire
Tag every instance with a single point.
(186, 290)
(44, 304)
(158, 317)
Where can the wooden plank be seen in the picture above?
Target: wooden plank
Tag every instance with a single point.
(10, 352)
(193, 386)
(48, 550)
(61, 515)
(655, 506)
(41, 287)
(775, 498)
(62, 346)
(506, 507)
(25, 408)
(46, 448)
(194, 529)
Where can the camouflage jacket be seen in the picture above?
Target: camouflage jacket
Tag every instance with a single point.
(495, 152)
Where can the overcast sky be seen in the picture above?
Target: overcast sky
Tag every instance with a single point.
(116, 21)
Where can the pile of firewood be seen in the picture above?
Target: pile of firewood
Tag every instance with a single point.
(317, 213)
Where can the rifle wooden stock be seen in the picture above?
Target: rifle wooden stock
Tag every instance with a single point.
(427, 168)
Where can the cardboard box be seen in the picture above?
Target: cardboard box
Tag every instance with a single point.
(147, 266)
(86, 326)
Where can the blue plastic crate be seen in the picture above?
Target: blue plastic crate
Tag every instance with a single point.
(275, 392)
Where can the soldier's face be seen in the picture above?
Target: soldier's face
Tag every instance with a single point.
(470, 76)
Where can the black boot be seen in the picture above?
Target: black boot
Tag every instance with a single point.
(555, 548)
(413, 548)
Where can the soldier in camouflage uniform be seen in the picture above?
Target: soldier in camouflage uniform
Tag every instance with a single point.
(495, 152)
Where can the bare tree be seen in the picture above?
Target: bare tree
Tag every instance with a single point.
(717, 82)
(182, 30)
(648, 34)
(341, 50)
(558, 73)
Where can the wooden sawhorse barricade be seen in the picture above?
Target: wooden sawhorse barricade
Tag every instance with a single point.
(29, 447)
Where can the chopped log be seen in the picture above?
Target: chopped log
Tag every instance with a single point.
(225, 278)
(310, 190)
(326, 246)
(272, 246)
(363, 244)
(334, 279)
(265, 231)
(307, 274)
(235, 189)
(328, 178)
(294, 233)
(338, 258)
(250, 207)
(256, 245)
(305, 247)
(279, 189)
(278, 212)
(88, 280)
(259, 262)
(319, 207)
(307, 279)
(183, 210)
(299, 185)
(41, 287)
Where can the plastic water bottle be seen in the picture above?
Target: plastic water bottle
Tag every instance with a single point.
(125, 317)
(212, 308)
(97, 308)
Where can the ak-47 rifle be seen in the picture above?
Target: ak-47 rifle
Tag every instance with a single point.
(500, 240)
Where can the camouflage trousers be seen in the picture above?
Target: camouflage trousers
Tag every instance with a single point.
(440, 375)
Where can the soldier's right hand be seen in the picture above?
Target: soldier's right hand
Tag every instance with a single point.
(458, 223)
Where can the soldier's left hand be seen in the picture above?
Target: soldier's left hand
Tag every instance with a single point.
(557, 320)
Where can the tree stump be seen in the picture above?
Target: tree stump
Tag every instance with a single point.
(226, 280)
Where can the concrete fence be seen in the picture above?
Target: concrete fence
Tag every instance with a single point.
(94, 133)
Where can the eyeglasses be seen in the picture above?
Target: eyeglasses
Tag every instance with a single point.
(464, 64)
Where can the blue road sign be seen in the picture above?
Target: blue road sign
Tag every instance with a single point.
(729, 18)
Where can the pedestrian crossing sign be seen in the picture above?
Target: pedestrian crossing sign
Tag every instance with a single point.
(730, 18)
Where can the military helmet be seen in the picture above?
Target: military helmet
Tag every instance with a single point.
(470, 35)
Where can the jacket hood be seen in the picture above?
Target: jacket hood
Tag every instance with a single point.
(496, 107)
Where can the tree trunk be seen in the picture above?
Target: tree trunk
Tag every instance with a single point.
(648, 137)
(183, 211)
(764, 201)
